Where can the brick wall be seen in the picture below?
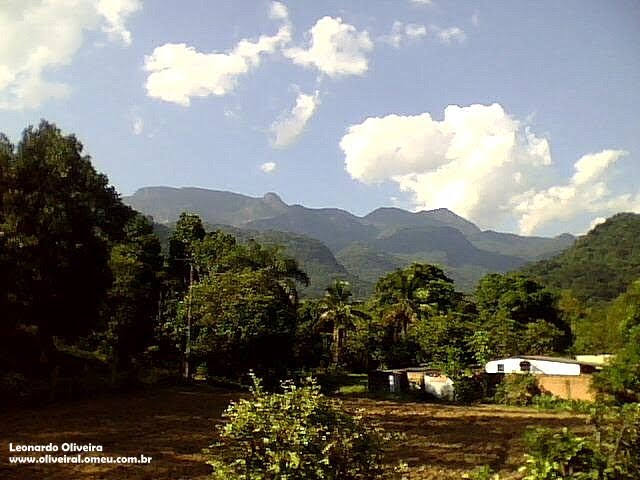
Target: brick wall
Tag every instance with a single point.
(569, 387)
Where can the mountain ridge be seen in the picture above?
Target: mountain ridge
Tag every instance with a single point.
(385, 237)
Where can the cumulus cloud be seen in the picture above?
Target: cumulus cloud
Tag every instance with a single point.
(268, 167)
(336, 49)
(401, 33)
(482, 163)
(290, 126)
(178, 72)
(116, 13)
(41, 36)
(586, 191)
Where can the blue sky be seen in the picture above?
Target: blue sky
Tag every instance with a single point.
(521, 116)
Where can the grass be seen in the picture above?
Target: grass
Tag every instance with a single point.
(173, 425)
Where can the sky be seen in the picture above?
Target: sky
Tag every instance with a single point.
(520, 116)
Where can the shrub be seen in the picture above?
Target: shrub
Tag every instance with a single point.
(484, 472)
(517, 390)
(296, 434)
(612, 453)
(551, 402)
(559, 455)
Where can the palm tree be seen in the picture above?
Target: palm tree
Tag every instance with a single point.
(338, 311)
(405, 295)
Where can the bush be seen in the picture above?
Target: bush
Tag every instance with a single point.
(299, 434)
(551, 402)
(612, 453)
(517, 390)
(560, 455)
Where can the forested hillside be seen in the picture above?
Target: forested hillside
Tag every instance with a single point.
(601, 265)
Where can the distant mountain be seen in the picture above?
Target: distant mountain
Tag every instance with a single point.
(390, 217)
(165, 204)
(601, 264)
(366, 247)
(525, 247)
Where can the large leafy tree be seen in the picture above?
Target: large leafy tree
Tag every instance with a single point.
(59, 217)
(133, 298)
(406, 295)
(405, 302)
(239, 312)
(520, 316)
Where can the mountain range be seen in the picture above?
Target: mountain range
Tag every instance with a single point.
(334, 243)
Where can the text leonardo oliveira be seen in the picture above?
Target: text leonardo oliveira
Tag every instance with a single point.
(68, 452)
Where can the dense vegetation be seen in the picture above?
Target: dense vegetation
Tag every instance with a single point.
(601, 265)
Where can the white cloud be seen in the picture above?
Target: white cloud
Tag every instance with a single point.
(336, 49)
(595, 222)
(278, 11)
(290, 126)
(179, 72)
(450, 34)
(401, 33)
(483, 164)
(44, 35)
(268, 167)
(586, 191)
(115, 13)
(475, 19)
(422, 2)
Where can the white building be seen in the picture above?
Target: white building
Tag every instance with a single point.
(539, 365)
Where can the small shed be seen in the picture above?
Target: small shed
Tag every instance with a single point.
(413, 379)
(540, 365)
(392, 381)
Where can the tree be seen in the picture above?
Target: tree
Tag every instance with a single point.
(508, 305)
(405, 301)
(339, 312)
(243, 321)
(133, 298)
(59, 217)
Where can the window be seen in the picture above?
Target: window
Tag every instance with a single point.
(525, 366)
(501, 367)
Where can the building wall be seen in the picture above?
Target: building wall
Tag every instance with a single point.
(538, 367)
(568, 387)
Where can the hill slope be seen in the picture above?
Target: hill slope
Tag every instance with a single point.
(600, 265)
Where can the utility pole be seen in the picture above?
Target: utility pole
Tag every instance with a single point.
(187, 360)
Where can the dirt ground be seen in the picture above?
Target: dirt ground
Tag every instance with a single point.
(173, 425)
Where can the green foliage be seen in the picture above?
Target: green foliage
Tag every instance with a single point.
(600, 265)
(298, 433)
(59, 219)
(337, 311)
(519, 316)
(517, 389)
(132, 300)
(551, 402)
(559, 455)
(612, 453)
(242, 320)
(620, 379)
(484, 472)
